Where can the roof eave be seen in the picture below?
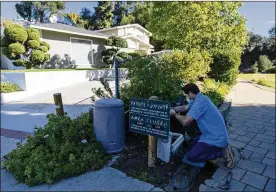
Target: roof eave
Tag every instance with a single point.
(129, 25)
(68, 32)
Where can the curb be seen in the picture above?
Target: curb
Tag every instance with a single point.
(14, 134)
(259, 86)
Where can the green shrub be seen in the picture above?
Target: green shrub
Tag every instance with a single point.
(216, 91)
(188, 66)
(19, 62)
(150, 76)
(44, 49)
(4, 42)
(34, 44)
(261, 82)
(18, 43)
(33, 34)
(7, 87)
(271, 70)
(16, 33)
(139, 53)
(37, 57)
(116, 42)
(122, 56)
(16, 49)
(225, 66)
(63, 148)
(255, 68)
(43, 43)
(5, 51)
(47, 56)
(264, 63)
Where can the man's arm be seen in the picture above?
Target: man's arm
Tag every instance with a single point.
(183, 108)
(184, 120)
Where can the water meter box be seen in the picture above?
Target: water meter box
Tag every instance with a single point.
(165, 148)
(109, 124)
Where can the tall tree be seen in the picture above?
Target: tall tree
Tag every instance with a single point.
(142, 12)
(85, 18)
(211, 26)
(85, 13)
(122, 13)
(103, 15)
(38, 10)
(25, 10)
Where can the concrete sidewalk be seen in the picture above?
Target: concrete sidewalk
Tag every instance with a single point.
(25, 114)
(106, 179)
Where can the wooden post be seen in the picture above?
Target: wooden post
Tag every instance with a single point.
(152, 148)
(59, 104)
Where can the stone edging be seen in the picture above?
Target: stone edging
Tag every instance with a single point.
(261, 87)
(226, 105)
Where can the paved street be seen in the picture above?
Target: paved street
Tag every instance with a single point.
(252, 126)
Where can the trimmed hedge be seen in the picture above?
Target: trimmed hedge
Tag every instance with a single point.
(37, 56)
(7, 87)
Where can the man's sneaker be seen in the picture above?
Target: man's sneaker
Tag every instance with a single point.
(229, 157)
(213, 161)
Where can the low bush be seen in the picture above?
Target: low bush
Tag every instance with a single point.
(7, 87)
(136, 54)
(37, 57)
(63, 148)
(264, 63)
(33, 44)
(224, 67)
(271, 70)
(255, 68)
(151, 76)
(216, 91)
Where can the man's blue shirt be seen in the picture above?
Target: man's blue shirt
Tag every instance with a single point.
(209, 120)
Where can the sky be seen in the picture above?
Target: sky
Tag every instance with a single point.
(260, 15)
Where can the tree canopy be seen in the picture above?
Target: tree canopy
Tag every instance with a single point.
(38, 10)
(208, 26)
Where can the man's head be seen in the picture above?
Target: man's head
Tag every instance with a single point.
(191, 90)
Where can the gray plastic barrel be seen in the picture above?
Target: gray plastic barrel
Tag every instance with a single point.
(109, 124)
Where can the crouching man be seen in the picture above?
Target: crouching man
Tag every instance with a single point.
(213, 143)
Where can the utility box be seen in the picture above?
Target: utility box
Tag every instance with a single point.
(109, 124)
(166, 148)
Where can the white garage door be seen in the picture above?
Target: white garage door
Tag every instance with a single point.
(81, 51)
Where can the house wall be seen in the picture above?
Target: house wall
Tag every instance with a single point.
(138, 32)
(60, 45)
(132, 44)
(129, 31)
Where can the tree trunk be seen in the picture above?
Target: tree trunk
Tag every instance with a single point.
(41, 17)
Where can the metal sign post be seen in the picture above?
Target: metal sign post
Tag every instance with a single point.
(116, 67)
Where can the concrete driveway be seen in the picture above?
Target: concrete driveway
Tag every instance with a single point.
(25, 114)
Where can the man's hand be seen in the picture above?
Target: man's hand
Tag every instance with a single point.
(172, 112)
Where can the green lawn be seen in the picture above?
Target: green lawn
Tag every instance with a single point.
(264, 79)
(48, 70)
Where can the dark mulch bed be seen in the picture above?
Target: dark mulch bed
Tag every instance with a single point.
(134, 162)
(134, 159)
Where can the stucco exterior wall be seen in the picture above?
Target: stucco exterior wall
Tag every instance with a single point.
(61, 44)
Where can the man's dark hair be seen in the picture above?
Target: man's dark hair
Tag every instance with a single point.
(191, 87)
